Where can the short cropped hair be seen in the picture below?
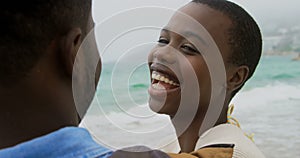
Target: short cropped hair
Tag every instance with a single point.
(28, 27)
(245, 37)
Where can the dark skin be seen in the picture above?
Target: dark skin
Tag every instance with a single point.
(43, 102)
(217, 24)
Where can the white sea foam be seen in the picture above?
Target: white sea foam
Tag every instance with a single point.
(267, 95)
(119, 130)
(272, 114)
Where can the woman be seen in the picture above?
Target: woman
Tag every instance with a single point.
(182, 47)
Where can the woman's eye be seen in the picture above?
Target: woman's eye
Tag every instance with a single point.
(189, 48)
(163, 41)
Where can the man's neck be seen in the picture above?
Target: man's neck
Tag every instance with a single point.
(27, 113)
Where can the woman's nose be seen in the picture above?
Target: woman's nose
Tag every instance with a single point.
(166, 54)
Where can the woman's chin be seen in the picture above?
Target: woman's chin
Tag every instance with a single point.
(159, 107)
(156, 106)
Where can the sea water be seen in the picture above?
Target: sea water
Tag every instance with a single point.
(268, 106)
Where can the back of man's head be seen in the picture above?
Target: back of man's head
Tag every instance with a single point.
(39, 42)
(28, 27)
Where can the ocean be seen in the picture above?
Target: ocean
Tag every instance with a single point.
(268, 106)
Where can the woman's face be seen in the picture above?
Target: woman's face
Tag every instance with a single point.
(167, 60)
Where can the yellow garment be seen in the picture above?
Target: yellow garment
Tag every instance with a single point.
(206, 153)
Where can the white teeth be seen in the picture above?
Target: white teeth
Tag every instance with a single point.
(153, 76)
(158, 86)
(163, 79)
(157, 77)
(167, 80)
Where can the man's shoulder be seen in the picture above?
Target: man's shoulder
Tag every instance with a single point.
(66, 142)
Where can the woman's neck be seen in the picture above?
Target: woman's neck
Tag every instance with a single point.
(188, 139)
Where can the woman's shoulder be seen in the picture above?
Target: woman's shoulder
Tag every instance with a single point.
(226, 136)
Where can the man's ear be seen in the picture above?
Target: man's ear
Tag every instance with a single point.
(237, 77)
(69, 48)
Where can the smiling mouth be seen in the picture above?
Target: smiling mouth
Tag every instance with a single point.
(163, 81)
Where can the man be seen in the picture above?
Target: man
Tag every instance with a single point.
(38, 47)
(46, 84)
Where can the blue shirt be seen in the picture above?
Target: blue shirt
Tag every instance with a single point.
(69, 142)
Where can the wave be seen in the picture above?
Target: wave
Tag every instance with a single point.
(283, 76)
(269, 94)
(140, 85)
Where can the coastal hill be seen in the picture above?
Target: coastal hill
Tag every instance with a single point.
(283, 41)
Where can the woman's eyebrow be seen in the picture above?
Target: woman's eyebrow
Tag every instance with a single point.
(192, 34)
(165, 29)
(187, 34)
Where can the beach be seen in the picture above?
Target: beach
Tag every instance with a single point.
(267, 106)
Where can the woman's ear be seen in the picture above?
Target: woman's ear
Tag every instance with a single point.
(69, 47)
(237, 77)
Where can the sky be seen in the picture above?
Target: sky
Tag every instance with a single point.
(269, 14)
(262, 10)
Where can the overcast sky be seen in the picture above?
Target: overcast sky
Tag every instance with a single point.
(268, 13)
(262, 10)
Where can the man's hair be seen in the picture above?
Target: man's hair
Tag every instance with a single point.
(244, 35)
(28, 27)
